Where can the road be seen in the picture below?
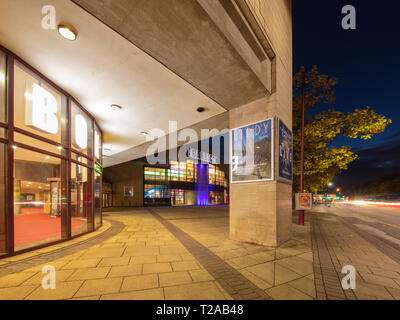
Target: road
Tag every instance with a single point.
(379, 225)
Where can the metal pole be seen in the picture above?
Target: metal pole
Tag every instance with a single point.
(301, 212)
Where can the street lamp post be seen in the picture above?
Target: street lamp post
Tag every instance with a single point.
(303, 72)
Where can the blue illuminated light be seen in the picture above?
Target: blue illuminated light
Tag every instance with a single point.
(201, 185)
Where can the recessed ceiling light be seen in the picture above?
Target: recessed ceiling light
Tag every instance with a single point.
(144, 133)
(201, 109)
(67, 32)
(15, 147)
(116, 107)
(106, 149)
(59, 148)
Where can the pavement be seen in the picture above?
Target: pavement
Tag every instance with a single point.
(164, 253)
(184, 253)
(347, 235)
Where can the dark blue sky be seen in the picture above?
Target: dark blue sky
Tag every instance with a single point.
(366, 61)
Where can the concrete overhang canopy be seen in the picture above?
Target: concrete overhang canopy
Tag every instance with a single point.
(208, 43)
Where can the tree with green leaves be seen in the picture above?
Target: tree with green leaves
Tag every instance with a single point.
(323, 160)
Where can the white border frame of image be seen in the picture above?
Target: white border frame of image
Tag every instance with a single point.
(279, 178)
(272, 151)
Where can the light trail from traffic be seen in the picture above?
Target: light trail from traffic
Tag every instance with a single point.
(395, 205)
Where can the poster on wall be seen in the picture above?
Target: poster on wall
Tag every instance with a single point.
(285, 171)
(251, 152)
(128, 192)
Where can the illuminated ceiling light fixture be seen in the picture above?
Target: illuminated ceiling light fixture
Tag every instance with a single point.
(144, 133)
(116, 107)
(59, 148)
(67, 32)
(106, 149)
(14, 147)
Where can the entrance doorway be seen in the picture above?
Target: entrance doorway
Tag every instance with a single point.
(177, 197)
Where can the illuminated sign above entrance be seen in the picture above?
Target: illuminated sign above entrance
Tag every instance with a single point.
(41, 109)
(202, 156)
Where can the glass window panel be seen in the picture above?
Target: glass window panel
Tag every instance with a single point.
(40, 199)
(38, 107)
(160, 175)
(211, 174)
(80, 158)
(3, 133)
(82, 131)
(3, 96)
(177, 197)
(81, 200)
(107, 195)
(97, 199)
(174, 172)
(98, 145)
(156, 191)
(190, 171)
(149, 174)
(3, 224)
(18, 137)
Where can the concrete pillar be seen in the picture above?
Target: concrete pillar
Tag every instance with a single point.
(261, 212)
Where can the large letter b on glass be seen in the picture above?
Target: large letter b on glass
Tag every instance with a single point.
(81, 132)
(41, 110)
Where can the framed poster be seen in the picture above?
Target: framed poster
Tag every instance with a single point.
(128, 192)
(285, 141)
(252, 152)
(303, 201)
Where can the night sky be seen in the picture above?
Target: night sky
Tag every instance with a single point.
(366, 61)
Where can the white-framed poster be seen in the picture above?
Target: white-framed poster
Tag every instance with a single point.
(251, 150)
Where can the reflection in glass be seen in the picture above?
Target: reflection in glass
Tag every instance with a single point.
(81, 199)
(40, 199)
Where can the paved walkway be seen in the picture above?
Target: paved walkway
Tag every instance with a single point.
(185, 253)
(338, 242)
(165, 253)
